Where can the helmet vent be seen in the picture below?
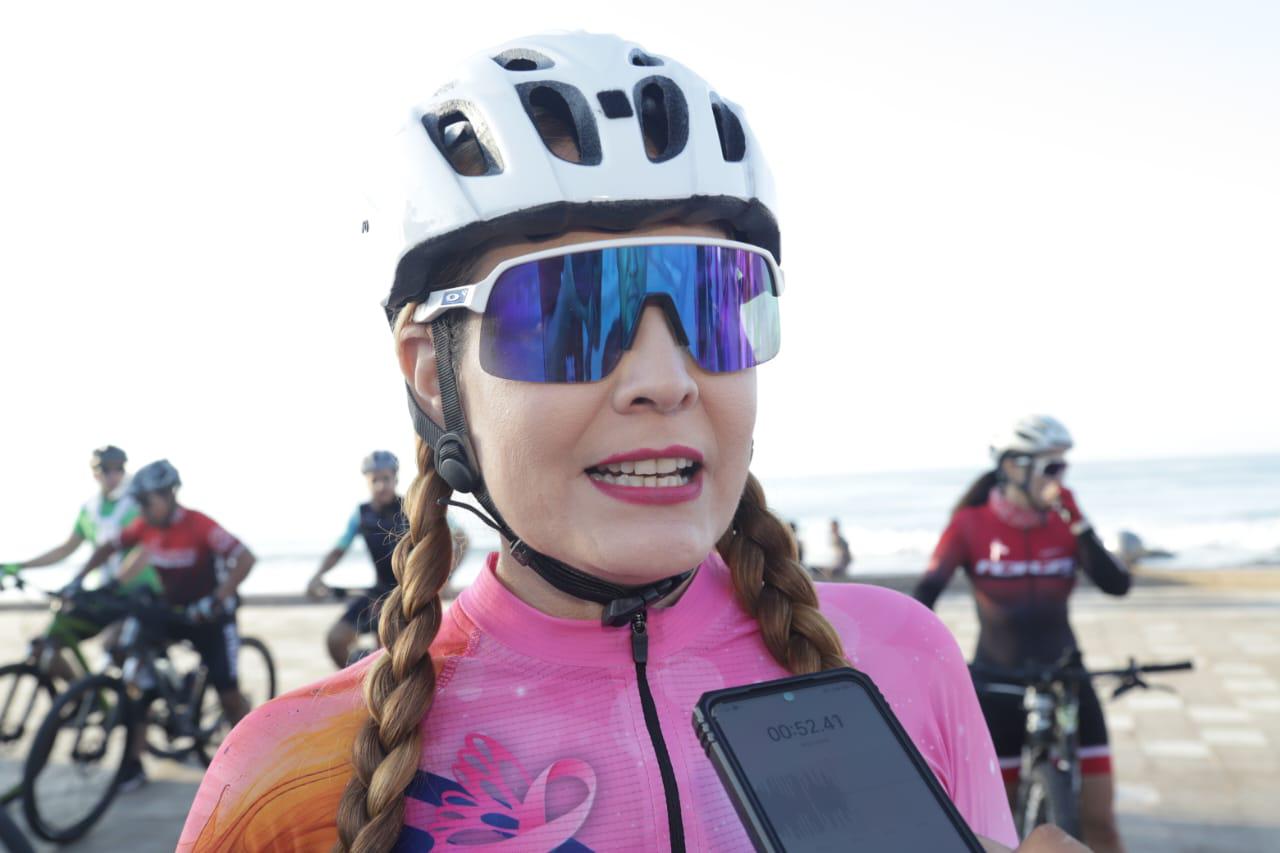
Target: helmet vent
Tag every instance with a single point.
(664, 117)
(614, 103)
(462, 141)
(523, 59)
(639, 57)
(733, 142)
(563, 119)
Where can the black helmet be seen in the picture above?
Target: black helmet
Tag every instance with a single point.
(108, 454)
(380, 460)
(156, 477)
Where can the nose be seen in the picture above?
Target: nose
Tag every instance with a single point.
(654, 375)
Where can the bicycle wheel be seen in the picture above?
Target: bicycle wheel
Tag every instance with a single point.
(25, 696)
(256, 676)
(1045, 796)
(76, 759)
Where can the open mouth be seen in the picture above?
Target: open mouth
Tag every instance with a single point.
(654, 473)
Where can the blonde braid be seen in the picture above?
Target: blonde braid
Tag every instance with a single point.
(774, 587)
(398, 687)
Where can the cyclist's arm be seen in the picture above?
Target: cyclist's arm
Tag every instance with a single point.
(950, 555)
(56, 555)
(241, 563)
(100, 555)
(1102, 568)
(330, 560)
(134, 564)
(335, 554)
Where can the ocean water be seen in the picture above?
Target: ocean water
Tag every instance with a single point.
(1210, 513)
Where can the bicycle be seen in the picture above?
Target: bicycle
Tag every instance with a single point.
(78, 755)
(1049, 780)
(29, 685)
(366, 643)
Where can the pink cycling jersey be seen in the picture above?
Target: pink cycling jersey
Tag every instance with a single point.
(536, 739)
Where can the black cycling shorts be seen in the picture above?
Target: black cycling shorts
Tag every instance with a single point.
(1007, 722)
(218, 644)
(362, 614)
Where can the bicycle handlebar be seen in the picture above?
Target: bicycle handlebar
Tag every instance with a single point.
(1070, 672)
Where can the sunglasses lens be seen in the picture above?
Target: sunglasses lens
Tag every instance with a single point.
(569, 318)
(1055, 469)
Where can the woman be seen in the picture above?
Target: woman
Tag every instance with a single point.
(598, 403)
(1020, 537)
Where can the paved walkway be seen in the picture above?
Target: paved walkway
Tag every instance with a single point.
(1198, 770)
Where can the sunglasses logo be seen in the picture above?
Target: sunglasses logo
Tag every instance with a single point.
(454, 297)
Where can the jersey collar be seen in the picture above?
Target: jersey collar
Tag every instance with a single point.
(497, 612)
(1024, 518)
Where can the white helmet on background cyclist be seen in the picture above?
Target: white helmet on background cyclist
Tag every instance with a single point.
(1031, 436)
(380, 460)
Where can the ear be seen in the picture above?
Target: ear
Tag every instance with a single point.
(416, 351)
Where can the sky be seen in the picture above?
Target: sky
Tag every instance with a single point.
(987, 209)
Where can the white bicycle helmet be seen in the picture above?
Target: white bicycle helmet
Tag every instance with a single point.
(158, 476)
(702, 163)
(380, 460)
(1031, 435)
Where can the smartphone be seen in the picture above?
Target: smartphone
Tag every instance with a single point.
(819, 762)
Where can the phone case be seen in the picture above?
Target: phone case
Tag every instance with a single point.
(744, 799)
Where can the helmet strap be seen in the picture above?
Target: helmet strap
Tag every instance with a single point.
(455, 462)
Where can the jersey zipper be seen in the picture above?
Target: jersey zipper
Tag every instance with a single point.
(640, 654)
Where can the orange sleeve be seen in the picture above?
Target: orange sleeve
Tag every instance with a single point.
(276, 781)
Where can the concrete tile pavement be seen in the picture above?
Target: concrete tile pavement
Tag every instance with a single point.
(1198, 770)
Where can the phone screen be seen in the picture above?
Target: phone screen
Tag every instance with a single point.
(830, 774)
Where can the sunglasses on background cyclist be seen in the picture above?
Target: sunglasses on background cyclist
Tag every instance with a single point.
(569, 314)
(1053, 468)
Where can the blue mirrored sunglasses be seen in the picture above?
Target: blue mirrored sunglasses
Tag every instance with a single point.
(568, 314)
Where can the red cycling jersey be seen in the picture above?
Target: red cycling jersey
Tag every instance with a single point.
(1022, 565)
(184, 553)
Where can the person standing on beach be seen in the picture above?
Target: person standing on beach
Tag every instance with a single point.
(840, 547)
(380, 522)
(583, 280)
(102, 517)
(1020, 536)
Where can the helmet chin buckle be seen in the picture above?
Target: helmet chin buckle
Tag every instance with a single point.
(453, 463)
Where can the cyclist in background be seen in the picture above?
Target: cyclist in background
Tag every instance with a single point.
(186, 548)
(1020, 537)
(380, 523)
(101, 517)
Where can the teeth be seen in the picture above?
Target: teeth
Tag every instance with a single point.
(647, 473)
(637, 481)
